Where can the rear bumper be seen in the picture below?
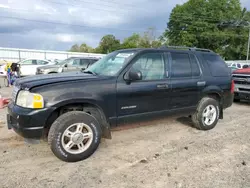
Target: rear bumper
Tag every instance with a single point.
(28, 123)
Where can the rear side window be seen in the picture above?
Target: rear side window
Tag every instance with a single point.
(92, 61)
(181, 66)
(195, 66)
(84, 63)
(217, 66)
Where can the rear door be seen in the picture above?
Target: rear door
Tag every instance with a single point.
(186, 80)
(73, 65)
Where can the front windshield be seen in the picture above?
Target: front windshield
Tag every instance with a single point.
(111, 64)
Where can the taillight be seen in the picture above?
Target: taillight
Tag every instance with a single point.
(232, 86)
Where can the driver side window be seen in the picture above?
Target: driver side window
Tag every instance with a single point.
(151, 66)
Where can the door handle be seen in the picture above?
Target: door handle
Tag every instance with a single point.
(162, 86)
(203, 83)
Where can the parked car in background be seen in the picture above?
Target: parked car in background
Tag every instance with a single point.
(2, 70)
(29, 67)
(233, 69)
(69, 65)
(77, 109)
(241, 79)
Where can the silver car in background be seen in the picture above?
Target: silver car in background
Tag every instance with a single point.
(69, 65)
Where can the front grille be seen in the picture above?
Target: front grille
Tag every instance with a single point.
(241, 79)
(244, 89)
(242, 82)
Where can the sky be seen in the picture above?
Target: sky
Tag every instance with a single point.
(58, 24)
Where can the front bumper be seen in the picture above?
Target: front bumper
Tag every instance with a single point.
(242, 95)
(242, 91)
(29, 123)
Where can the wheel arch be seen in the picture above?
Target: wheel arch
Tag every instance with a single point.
(86, 106)
(216, 93)
(52, 72)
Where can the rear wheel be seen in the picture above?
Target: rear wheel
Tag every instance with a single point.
(207, 114)
(74, 136)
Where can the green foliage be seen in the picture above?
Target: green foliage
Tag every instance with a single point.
(85, 48)
(196, 23)
(108, 44)
(74, 48)
(131, 42)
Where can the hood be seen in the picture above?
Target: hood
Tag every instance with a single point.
(242, 71)
(50, 66)
(39, 80)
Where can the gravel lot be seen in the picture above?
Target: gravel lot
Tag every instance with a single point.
(163, 153)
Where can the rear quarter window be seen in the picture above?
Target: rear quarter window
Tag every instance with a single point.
(217, 66)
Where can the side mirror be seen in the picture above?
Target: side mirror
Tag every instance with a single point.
(66, 65)
(83, 69)
(133, 75)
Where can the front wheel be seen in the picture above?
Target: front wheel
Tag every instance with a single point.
(207, 114)
(74, 136)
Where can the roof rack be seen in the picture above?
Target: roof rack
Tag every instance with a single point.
(186, 48)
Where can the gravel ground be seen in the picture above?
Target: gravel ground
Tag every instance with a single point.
(163, 153)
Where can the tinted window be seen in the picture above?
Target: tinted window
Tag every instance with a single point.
(92, 61)
(84, 62)
(194, 66)
(76, 62)
(216, 65)
(151, 66)
(29, 62)
(181, 66)
(41, 62)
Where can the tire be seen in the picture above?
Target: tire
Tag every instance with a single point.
(62, 131)
(206, 104)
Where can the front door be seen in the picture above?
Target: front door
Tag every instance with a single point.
(186, 79)
(151, 94)
(28, 67)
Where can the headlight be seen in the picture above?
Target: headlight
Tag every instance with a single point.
(29, 100)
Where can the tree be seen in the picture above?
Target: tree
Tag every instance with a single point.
(85, 48)
(196, 23)
(131, 42)
(147, 40)
(74, 48)
(108, 44)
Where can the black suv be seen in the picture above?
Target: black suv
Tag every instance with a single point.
(76, 109)
(68, 65)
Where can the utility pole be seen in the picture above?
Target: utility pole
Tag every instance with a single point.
(248, 46)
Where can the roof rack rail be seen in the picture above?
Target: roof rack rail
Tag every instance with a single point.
(187, 48)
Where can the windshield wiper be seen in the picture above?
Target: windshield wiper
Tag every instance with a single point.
(89, 72)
